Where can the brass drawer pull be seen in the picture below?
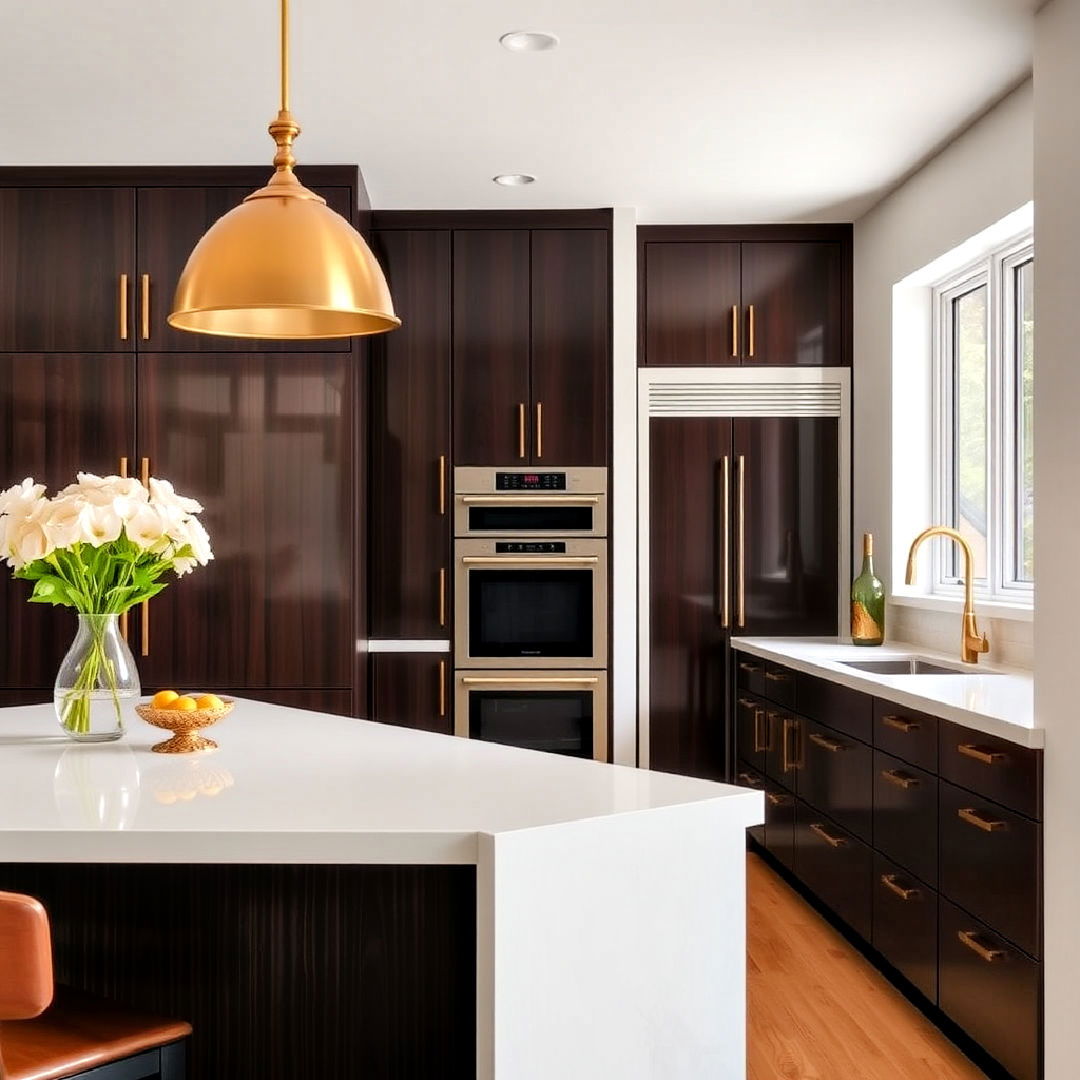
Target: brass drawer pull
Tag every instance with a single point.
(776, 798)
(751, 314)
(734, 330)
(973, 817)
(750, 669)
(971, 940)
(521, 429)
(723, 577)
(977, 753)
(748, 780)
(442, 689)
(832, 841)
(144, 307)
(747, 703)
(761, 733)
(900, 779)
(900, 723)
(832, 745)
(777, 676)
(890, 883)
(123, 305)
(442, 484)
(442, 596)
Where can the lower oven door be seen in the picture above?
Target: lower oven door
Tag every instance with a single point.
(541, 607)
(563, 712)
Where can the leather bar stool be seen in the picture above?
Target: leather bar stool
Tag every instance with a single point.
(47, 1036)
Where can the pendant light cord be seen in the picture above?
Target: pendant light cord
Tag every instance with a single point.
(284, 55)
(284, 128)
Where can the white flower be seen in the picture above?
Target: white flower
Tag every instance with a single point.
(146, 527)
(124, 494)
(199, 539)
(183, 565)
(20, 498)
(26, 538)
(65, 521)
(163, 494)
(101, 525)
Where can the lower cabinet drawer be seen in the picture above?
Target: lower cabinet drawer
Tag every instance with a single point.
(751, 730)
(834, 865)
(747, 776)
(780, 824)
(906, 816)
(992, 990)
(991, 864)
(906, 925)
(836, 776)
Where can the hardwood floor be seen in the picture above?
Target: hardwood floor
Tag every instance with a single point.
(819, 1011)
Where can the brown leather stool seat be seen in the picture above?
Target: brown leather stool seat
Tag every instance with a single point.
(79, 1032)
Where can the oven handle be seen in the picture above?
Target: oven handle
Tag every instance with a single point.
(530, 500)
(527, 560)
(546, 680)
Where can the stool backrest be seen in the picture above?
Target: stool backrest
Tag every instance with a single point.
(26, 974)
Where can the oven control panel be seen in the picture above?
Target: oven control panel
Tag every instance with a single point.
(531, 547)
(518, 481)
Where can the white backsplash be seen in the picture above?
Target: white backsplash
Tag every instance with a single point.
(1011, 640)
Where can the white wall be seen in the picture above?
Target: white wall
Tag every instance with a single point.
(976, 180)
(1057, 458)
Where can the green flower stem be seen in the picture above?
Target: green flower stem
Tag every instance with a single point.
(96, 668)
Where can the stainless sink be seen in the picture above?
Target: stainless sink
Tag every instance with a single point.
(911, 665)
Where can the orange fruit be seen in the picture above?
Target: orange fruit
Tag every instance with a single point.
(184, 704)
(209, 701)
(164, 698)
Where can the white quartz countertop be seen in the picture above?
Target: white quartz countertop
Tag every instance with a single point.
(291, 786)
(995, 700)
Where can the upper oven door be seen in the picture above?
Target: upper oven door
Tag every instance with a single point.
(518, 605)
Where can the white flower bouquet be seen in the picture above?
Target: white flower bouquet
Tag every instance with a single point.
(100, 546)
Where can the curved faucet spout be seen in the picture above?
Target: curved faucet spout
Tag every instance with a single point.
(971, 642)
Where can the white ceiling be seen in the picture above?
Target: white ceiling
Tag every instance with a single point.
(690, 110)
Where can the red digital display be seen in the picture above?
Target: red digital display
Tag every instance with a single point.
(531, 478)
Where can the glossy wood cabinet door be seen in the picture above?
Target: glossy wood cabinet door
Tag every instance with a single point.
(411, 478)
(62, 252)
(413, 690)
(171, 222)
(493, 424)
(59, 413)
(688, 641)
(571, 334)
(785, 485)
(265, 443)
(793, 299)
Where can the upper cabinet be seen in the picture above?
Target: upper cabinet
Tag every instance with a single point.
(531, 346)
(67, 257)
(745, 295)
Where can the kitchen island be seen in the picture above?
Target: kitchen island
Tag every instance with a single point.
(325, 897)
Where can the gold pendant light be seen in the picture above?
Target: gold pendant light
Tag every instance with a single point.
(282, 264)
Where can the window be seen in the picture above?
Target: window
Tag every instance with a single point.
(982, 397)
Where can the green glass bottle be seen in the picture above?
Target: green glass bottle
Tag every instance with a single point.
(867, 601)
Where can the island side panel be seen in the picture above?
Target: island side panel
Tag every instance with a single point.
(285, 972)
(615, 947)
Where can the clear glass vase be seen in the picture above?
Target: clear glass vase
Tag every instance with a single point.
(97, 681)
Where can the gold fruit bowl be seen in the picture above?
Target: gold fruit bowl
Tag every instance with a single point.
(186, 725)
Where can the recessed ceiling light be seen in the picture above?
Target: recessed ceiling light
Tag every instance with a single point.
(517, 179)
(528, 41)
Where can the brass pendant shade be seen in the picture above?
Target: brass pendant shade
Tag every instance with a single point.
(282, 264)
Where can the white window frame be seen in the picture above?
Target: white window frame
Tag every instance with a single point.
(996, 270)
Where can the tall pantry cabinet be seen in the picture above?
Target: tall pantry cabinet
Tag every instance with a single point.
(262, 433)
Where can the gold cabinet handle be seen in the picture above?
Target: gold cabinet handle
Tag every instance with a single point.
(747, 703)
(741, 541)
(776, 798)
(761, 743)
(900, 779)
(442, 596)
(530, 680)
(832, 745)
(442, 689)
(124, 618)
(530, 560)
(748, 780)
(890, 883)
(900, 723)
(789, 727)
(521, 430)
(123, 307)
(970, 938)
(723, 582)
(778, 676)
(442, 484)
(144, 644)
(977, 753)
(529, 500)
(750, 315)
(539, 430)
(750, 669)
(973, 817)
(832, 841)
(144, 307)
(734, 330)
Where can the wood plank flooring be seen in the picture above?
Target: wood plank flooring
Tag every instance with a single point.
(819, 1011)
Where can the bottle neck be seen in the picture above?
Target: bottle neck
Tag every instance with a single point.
(867, 565)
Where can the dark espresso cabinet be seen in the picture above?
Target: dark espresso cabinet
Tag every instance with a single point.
(745, 295)
(413, 690)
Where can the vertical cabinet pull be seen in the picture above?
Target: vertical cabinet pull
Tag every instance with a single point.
(123, 471)
(144, 644)
(788, 745)
(723, 583)
(144, 307)
(521, 430)
(123, 307)
(442, 484)
(539, 429)
(761, 742)
(741, 545)
(442, 596)
(750, 319)
(442, 689)
(734, 330)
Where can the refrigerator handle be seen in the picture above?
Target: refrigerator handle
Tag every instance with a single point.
(723, 576)
(740, 613)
